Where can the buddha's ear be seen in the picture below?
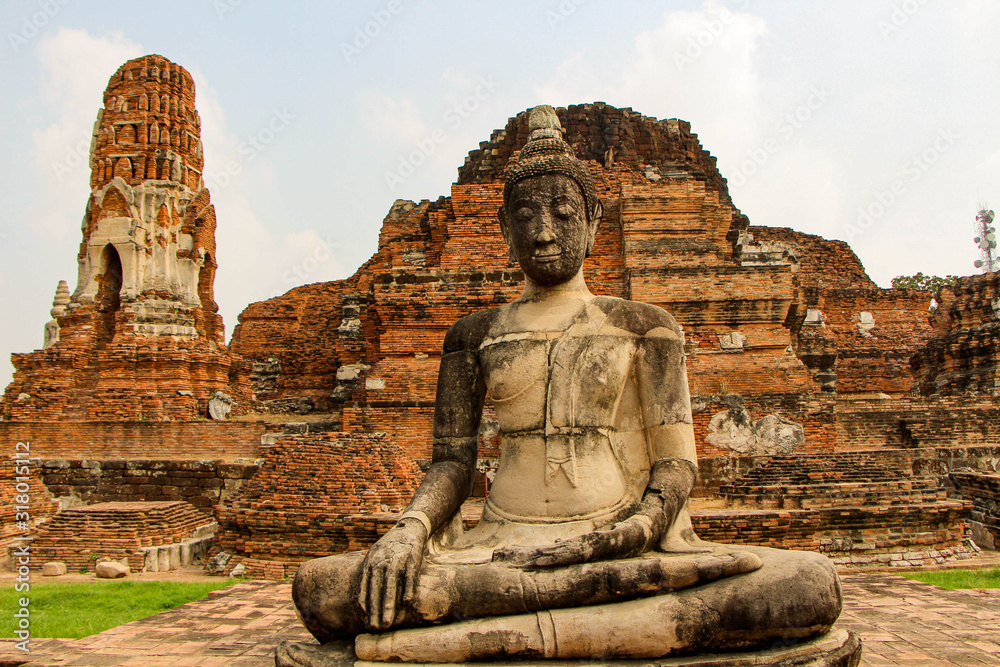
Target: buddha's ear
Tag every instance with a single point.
(595, 214)
(505, 231)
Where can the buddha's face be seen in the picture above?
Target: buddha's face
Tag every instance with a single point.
(546, 229)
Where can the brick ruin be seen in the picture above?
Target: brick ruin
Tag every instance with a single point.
(140, 338)
(963, 355)
(828, 411)
(984, 490)
(132, 533)
(115, 404)
(313, 496)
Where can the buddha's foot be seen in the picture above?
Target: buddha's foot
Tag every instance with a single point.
(838, 648)
(725, 564)
(297, 654)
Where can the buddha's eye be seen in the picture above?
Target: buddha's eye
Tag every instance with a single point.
(565, 210)
(523, 214)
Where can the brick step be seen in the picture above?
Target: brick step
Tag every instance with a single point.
(807, 478)
(116, 530)
(828, 496)
(865, 462)
(797, 496)
(744, 485)
(929, 526)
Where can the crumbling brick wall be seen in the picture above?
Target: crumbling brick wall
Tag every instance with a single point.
(316, 495)
(964, 354)
(96, 440)
(202, 483)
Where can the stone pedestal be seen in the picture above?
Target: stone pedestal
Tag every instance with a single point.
(837, 648)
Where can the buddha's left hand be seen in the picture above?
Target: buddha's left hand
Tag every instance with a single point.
(628, 538)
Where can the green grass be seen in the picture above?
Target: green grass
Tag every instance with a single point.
(986, 578)
(75, 610)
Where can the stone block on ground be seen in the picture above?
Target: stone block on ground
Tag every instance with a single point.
(53, 569)
(111, 570)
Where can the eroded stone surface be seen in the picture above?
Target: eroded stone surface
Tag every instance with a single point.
(220, 405)
(111, 570)
(771, 434)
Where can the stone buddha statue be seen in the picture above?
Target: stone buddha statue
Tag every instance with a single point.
(585, 547)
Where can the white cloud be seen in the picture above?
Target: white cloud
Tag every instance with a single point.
(255, 263)
(813, 204)
(75, 68)
(424, 142)
(693, 65)
(388, 117)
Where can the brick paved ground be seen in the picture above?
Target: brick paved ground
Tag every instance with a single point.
(905, 622)
(901, 622)
(238, 626)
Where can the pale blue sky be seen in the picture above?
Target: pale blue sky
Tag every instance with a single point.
(815, 110)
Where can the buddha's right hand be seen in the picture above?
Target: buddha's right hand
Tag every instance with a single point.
(389, 574)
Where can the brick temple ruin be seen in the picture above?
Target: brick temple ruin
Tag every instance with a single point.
(140, 338)
(830, 414)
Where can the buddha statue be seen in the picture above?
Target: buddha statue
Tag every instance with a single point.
(585, 547)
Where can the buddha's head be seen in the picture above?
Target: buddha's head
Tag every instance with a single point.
(550, 209)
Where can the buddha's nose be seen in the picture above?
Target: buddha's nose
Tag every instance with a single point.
(545, 236)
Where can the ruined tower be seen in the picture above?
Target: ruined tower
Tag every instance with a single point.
(140, 338)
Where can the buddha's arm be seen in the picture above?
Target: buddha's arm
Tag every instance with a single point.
(391, 568)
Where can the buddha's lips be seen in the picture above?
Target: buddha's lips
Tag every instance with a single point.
(548, 257)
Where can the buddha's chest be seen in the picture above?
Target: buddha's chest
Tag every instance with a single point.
(548, 382)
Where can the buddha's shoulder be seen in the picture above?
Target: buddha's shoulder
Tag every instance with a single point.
(468, 332)
(637, 318)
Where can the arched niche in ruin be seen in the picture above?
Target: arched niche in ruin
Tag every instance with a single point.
(108, 299)
(163, 216)
(114, 204)
(110, 280)
(126, 135)
(123, 168)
